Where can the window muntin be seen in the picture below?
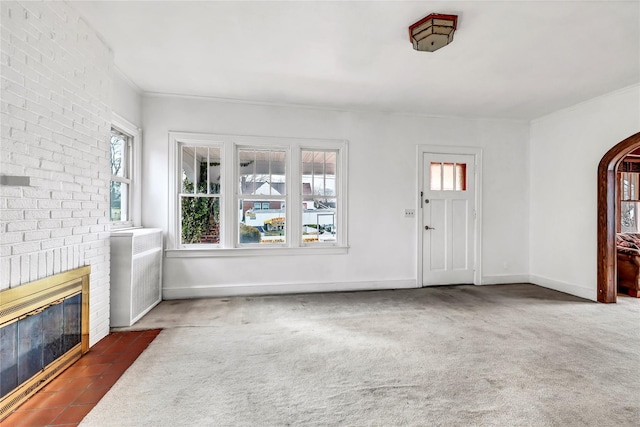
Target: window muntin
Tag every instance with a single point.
(200, 195)
(262, 192)
(319, 195)
(119, 194)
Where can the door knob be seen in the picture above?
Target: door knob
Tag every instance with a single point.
(426, 227)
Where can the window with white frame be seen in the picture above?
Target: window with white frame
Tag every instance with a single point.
(319, 195)
(120, 181)
(200, 194)
(124, 194)
(120, 189)
(262, 185)
(254, 193)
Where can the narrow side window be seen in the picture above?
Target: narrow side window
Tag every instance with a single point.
(120, 188)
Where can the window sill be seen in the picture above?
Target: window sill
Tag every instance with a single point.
(244, 252)
(117, 226)
(129, 231)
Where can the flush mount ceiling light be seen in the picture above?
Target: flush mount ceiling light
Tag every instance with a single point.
(433, 32)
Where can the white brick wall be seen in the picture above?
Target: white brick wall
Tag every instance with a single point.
(55, 118)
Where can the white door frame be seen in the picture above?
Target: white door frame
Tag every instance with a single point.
(446, 149)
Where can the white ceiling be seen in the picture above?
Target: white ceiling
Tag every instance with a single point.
(509, 59)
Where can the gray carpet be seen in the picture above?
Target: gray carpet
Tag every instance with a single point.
(509, 355)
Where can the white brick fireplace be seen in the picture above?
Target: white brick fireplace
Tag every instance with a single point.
(56, 117)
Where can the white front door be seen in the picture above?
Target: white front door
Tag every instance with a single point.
(448, 219)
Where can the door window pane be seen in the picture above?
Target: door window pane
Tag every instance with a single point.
(461, 177)
(436, 176)
(448, 176)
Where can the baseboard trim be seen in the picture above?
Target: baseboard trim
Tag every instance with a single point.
(212, 291)
(567, 288)
(504, 279)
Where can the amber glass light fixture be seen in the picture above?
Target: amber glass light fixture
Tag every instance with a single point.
(433, 32)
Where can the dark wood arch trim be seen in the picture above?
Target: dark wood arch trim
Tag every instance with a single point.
(607, 217)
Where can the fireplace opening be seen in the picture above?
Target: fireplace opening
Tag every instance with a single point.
(44, 328)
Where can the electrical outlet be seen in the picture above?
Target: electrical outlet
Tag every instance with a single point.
(409, 213)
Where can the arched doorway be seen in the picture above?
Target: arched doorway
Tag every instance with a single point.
(607, 196)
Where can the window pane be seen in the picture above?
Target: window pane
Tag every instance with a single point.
(215, 170)
(629, 212)
(318, 179)
(262, 222)
(118, 154)
(201, 165)
(188, 175)
(247, 160)
(119, 198)
(307, 172)
(262, 172)
(201, 174)
(626, 188)
(200, 220)
(447, 177)
(461, 177)
(630, 182)
(319, 173)
(436, 176)
(277, 171)
(319, 219)
(330, 174)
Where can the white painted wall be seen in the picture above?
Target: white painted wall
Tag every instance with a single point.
(126, 98)
(380, 145)
(56, 114)
(565, 150)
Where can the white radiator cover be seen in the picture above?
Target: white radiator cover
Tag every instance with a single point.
(136, 274)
